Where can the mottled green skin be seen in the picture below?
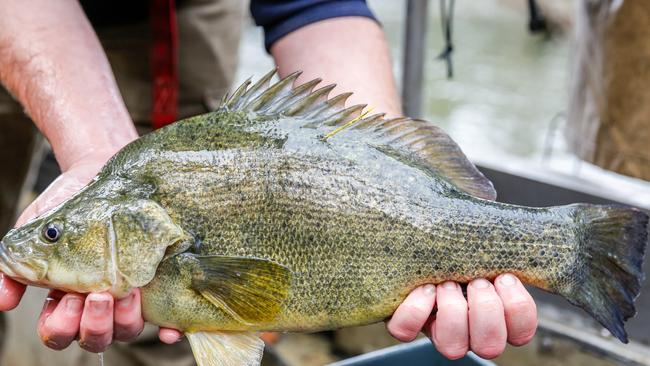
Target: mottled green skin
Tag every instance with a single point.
(357, 229)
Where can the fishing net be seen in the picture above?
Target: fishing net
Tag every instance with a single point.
(609, 112)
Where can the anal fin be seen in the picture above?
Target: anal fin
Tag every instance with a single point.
(226, 348)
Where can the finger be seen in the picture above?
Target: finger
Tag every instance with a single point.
(169, 335)
(96, 328)
(487, 325)
(128, 322)
(58, 323)
(270, 338)
(410, 316)
(50, 303)
(10, 292)
(519, 307)
(429, 325)
(450, 331)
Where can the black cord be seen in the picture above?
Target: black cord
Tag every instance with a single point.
(446, 20)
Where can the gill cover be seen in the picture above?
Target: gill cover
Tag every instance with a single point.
(140, 233)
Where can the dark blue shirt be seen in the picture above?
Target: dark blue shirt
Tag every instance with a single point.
(279, 18)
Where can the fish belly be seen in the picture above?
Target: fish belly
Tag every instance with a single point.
(355, 268)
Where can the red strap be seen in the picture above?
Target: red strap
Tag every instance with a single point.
(164, 35)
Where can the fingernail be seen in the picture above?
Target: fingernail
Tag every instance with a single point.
(98, 306)
(73, 305)
(429, 289)
(46, 303)
(449, 285)
(52, 344)
(507, 279)
(480, 283)
(126, 301)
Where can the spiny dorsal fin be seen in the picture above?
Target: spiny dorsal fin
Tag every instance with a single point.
(415, 141)
(284, 98)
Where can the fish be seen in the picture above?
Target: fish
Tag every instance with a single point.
(286, 210)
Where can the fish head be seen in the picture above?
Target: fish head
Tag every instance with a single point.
(90, 245)
(64, 248)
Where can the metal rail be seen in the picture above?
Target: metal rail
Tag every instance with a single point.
(632, 354)
(414, 52)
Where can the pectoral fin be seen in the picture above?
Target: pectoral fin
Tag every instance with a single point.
(226, 348)
(250, 290)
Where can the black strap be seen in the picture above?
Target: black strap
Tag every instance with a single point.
(446, 20)
(536, 22)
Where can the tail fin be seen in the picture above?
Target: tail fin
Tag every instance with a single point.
(612, 242)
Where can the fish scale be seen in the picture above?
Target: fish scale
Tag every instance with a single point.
(285, 210)
(288, 232)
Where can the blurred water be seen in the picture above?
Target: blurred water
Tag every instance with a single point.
(507, 87)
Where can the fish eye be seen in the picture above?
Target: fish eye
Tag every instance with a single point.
(52, 232)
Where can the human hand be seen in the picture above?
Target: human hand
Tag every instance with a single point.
(492, 315)
(96, 319)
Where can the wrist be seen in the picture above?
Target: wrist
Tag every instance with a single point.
(79, 147)
(90, 156)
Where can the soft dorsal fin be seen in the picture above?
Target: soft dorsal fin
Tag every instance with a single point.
(416, 142)
(429, 146)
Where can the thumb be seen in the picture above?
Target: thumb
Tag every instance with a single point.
(62, 188)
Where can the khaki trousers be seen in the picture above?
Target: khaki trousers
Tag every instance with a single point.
(209, 34)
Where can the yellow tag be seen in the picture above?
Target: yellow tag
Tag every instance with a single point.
(341, 128)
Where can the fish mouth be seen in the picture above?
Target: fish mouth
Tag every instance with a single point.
(16, 269)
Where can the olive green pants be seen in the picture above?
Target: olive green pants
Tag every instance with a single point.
(209, 34)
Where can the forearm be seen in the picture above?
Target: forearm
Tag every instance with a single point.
(351, 52)
(53, 63)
